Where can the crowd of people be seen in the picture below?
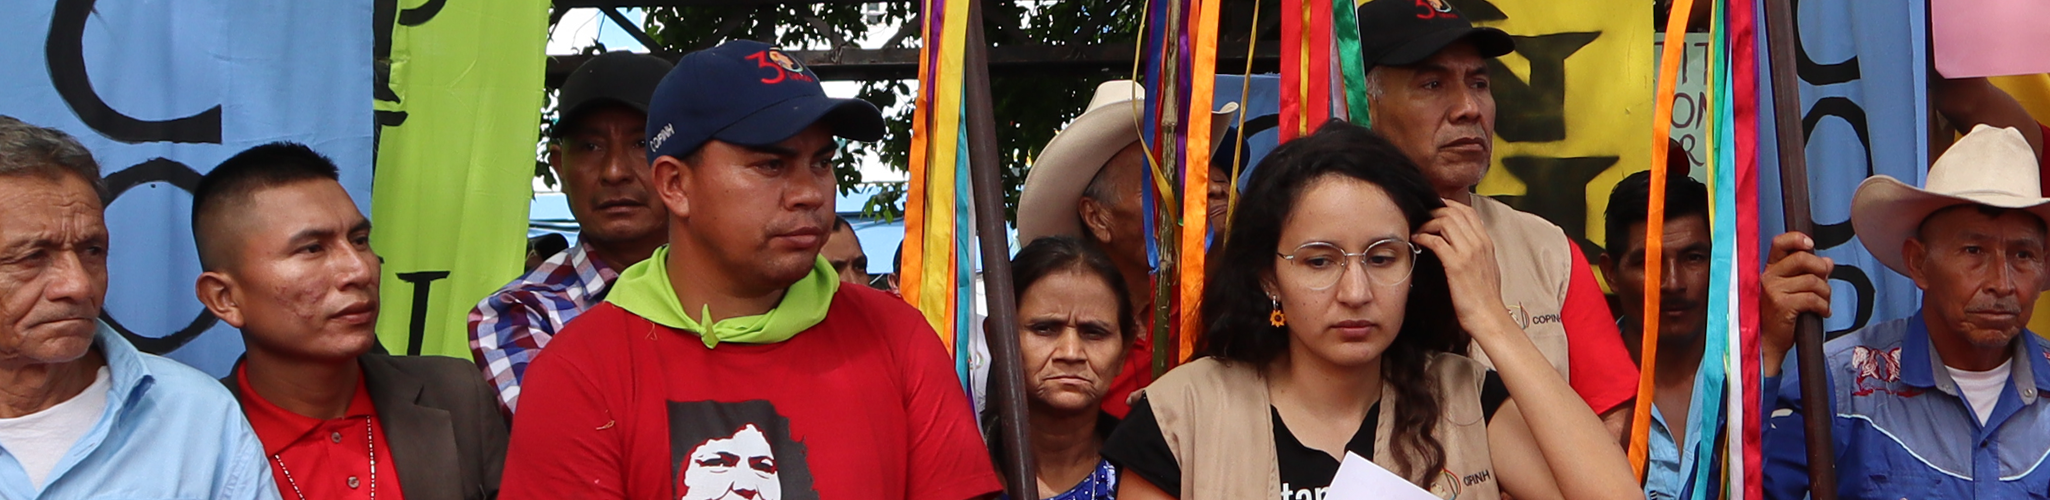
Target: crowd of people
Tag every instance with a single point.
(713, 333)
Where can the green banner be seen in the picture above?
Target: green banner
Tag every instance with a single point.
(455, 162)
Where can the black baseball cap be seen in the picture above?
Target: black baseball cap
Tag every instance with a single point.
(748, 93)
(622, 78)
(1405, 32)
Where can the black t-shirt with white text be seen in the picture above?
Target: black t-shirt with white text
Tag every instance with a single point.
(1138, 446)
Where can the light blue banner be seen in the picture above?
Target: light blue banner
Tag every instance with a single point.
(1863, 75)
(162, 91)
(1262, 111)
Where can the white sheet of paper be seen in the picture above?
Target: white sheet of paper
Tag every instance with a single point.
(1360, 479)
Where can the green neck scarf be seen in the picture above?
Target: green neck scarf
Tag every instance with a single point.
(644, 290)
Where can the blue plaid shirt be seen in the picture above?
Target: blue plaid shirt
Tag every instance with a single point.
(1901, 429)
(510, 327)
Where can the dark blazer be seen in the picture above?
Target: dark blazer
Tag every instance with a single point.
(447, 435)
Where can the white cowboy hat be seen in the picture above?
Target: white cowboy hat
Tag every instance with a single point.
(1989, 166)
(1046, 205)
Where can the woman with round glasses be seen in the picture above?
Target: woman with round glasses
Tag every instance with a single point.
(1337, 324)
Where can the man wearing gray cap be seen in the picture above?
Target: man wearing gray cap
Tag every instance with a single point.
(598, 152)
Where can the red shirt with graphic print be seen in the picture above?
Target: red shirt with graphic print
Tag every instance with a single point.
(864, 405)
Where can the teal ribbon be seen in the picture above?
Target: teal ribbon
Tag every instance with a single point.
(1711, 382)
(964, 265)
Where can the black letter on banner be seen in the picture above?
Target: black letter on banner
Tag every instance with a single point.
(1566, 202)
(1861, 284)
(179, 176)
(1535, 111)
(422, 14)
(65, 52)
(1254, 126)
(381, 14)
(1838, 233)
(1814, 73)
(423, 284)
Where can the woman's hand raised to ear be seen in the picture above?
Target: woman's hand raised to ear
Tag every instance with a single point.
(1460, 240)
(1553, 446)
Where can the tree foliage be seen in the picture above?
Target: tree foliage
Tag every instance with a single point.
(1029, 108)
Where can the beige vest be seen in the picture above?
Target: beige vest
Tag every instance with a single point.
(1214, 417)
(1536, 267)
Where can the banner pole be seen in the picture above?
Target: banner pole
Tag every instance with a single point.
(1793, 158)
(1008, 381)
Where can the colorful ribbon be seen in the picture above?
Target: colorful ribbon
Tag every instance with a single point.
(1745, 465)
(1196, 182)
(938, 268)
(1654, 228)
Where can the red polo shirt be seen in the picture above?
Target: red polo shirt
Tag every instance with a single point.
(325, 459)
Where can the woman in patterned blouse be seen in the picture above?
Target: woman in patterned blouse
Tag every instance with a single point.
(1074, 327)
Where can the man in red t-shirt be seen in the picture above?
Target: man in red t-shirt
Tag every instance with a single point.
(732, 363)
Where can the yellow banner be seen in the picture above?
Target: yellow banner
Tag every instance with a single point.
(454, 164)
(2033, 92)
(1572, 105)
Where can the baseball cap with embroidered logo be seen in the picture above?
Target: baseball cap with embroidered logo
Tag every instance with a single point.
(1405, 32)
(747, 93)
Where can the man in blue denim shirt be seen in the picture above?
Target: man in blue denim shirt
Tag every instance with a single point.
(1683, 314)
(1943, 404)
(83, 414)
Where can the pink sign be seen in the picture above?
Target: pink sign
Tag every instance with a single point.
(1975, 38)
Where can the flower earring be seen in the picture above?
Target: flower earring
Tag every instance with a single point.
(1276, 318)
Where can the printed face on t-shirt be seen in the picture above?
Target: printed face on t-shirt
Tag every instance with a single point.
(741, 466)
(736, 450)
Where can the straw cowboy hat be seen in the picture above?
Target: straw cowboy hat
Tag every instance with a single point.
(1046, 205)
(1989, 166)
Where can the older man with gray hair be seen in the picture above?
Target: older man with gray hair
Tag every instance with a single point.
(1428, 91)
(83, 414)
(1944, 403)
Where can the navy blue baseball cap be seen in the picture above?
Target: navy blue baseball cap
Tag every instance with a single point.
(748, 93)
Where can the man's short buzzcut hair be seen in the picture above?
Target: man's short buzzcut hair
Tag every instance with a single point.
(47, 152)
(1629, 205)
(231, 184)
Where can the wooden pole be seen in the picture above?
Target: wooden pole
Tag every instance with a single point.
(1007, 389)
(1166, 206)
(1793, 156)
